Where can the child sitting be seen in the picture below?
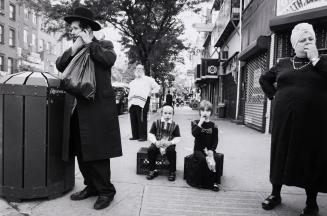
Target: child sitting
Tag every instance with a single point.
(206, 140)
(164, 135)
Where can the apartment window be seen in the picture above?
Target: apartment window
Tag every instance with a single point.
(2, 60)
(2, 4)
(10, 65)
(2, 33)
(25, 37)
(41, 45)
(12, 12)
(11, 37)
(49, 47)
(34, 18)
(26, 13)
(33, 40)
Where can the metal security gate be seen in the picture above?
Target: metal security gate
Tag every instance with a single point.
(254, 97)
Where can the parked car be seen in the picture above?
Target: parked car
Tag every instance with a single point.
(121, 92)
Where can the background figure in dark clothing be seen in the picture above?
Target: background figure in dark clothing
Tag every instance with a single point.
(205, 133)
(299, 125)
(139, 101)
(94, 126)
(169, 99)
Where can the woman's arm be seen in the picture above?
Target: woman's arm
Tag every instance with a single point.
(267, 81)
(321, 66)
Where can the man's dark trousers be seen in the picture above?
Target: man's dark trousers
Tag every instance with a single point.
(96, 173)
(139, 120)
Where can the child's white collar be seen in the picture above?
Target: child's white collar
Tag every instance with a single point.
(169, 121)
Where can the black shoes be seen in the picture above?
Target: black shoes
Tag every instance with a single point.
(141, 140)
(215, 187)
(271, 202)
(172, 176)
(152, 174)
(80, 195)
(310, 211)
(102, 202)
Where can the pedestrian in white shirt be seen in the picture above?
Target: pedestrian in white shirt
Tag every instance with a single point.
(139, 101)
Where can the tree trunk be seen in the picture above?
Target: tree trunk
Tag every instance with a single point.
(163, 93)
(146, 64)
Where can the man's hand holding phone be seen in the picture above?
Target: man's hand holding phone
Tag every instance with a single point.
(77, 45)
(86, 36)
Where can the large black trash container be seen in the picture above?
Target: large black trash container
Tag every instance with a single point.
(32, 118)
(221, 110)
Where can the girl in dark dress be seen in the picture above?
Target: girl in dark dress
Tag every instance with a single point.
(298, 138)
(205, 144)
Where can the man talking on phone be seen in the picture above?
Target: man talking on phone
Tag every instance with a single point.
(94, 126)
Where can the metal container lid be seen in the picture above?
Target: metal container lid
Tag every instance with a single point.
(32, 79)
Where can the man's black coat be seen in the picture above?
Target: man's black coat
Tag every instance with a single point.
(98, 120)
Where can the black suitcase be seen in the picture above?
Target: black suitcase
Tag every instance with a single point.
(190, 165)
(142, 162)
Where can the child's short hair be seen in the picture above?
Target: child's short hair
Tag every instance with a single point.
(168, 106)
(205, 105)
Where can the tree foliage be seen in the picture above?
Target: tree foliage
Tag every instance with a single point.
(150, 29)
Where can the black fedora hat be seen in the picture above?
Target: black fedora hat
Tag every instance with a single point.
(85, 15)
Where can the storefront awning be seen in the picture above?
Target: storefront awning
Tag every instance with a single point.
(230, 27)
(311, 16)
(260, 44)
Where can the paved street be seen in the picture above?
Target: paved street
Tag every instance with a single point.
(244, 183)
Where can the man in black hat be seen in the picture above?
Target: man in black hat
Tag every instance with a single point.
(94, 126)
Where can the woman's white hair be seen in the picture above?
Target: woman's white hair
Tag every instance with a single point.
(298, 32)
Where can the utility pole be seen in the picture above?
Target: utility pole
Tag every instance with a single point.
(239, 65)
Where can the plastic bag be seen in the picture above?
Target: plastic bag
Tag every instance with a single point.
(79, 76)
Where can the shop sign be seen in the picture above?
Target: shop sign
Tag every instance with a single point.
(210, 68)
(291, 6)
(222, 20)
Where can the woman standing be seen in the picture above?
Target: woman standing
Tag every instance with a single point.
(298, 138)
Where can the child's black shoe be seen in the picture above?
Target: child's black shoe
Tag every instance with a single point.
(271, 202)
(215, 187)
(152, 174)
(172, 176)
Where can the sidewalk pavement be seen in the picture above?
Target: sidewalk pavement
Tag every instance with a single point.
(245, 181)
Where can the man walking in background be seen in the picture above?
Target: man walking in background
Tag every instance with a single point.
(139, 102)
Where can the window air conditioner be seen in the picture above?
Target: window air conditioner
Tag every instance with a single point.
(223, 55)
